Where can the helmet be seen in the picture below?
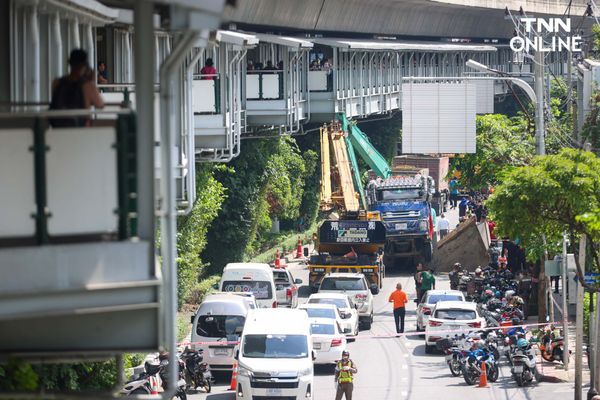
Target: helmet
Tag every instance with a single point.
(478, 271)
(345, 353)
(515, 321)
(457, 265)
(489, 293)
(522, 343)
(518, 300)
(498, 294)
(509, 293)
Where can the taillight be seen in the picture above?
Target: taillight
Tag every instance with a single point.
(426, 310)
(274, 304)
(475, 324)
(336, 342)
(361, 296)
(434, 323)
(288, 293)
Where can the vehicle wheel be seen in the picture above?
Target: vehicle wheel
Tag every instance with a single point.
(367, 324)
(496, 353)
(557, 353)
(181, 395)
(455, 367)
(428, 349)
(536, 375)
(547, 357)
(139, 391)
(493, 373)
(207, 386)
(468, 375)
(519, 379)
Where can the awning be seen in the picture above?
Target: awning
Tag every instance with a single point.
(236, 38)
(296, 43)
(394, 45)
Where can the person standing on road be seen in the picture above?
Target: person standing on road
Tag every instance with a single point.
(344, 375)
(443, 226)
(417, 277)
(427, 281)
(399, 298)
(453, 192)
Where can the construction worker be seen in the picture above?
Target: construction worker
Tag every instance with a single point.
(344, 375)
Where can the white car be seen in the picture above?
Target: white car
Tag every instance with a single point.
(450, 318)
(430, 299)
(356, 286)
(345, 306)
(286, 287)
(329, 311)
(328, 341)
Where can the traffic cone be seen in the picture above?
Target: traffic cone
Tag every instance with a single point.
(277, 260)
(233, 385)
(299, 248)
(483, 376)
(153, 385)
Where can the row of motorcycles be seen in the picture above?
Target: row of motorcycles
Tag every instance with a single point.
(500, 297)
(192, 374)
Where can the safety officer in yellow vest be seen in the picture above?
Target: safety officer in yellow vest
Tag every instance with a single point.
(344, 375)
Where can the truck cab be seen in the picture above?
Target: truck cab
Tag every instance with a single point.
(404, 205)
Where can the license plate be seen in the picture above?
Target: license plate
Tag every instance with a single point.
(317, 346)
(274, 392)
(400, 227)
(221, 352)
(517, 369)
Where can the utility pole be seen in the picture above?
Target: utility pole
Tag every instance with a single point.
(579, 325)
(538, 66)
(592, 349)
(564, 303)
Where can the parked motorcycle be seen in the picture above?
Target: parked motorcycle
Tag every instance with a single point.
(552, 345)
(143, 382)
(471, 368)
(198, 372)
(523, 367)
(164, 375)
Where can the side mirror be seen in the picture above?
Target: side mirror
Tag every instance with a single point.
(237, 355)
(298, 281)
(215, 286)
(374, 288)
(192, 318)
(314, 355)
(305, 251)
(356, 306)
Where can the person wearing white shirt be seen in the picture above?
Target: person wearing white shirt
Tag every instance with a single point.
(443, 226)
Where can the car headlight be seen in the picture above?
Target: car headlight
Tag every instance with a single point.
(243, 371)
(423, 225)
(305, 372)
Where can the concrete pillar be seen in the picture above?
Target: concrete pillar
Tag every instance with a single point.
(56, 55)
(74, 40)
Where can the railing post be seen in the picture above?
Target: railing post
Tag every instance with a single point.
(39, 154)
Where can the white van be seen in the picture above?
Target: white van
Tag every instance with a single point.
(275, 359)
(252, 278)
(217, 324)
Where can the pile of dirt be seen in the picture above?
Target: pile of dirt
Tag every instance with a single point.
(468, 244)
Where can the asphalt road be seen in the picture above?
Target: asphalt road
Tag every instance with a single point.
(397, 368)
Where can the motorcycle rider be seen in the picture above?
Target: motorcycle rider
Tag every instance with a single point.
(344, 376)
(454, 276)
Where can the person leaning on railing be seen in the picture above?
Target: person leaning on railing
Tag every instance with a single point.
(75, 91)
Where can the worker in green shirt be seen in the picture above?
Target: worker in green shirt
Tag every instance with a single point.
(427, 280)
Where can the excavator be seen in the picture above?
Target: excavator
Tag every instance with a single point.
(351, 238)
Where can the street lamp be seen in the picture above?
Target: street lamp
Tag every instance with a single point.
(536, 96)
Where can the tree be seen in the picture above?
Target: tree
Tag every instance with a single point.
(501, 141)
(557, 193)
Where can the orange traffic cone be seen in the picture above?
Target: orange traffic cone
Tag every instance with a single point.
(277, 260)
(483, 376)
(299, 248)
(233, 385)
(153, 385)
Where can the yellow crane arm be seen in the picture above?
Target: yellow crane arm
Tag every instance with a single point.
(326, 203)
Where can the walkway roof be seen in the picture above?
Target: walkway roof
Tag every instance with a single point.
(393, 45)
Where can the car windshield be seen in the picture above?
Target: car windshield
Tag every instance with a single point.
(275, 346)
(434, 298)
(456, 314)
(322, 329)
(320, 312)
(280, 277)
(260, 289)
(404, 194)
(219, 326)
(343, 284)
(339, 303)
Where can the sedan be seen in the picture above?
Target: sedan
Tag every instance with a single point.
(346, 307)
(430, 299)
(328, 341)
(450, 318)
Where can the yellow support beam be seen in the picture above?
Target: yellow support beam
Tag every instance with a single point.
(351, 203)
(326, 202)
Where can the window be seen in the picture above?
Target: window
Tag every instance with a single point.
(219, 326)
(280, 277)
(260, 289)
(404, 194)
(320, 312)
(322, 329)
(434, 298)
(275, 346)
(343, 284)
(339, 303)
(455, 314)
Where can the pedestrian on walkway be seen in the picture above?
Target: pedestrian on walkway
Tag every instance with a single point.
(399, 298)
(417, 278)
(427, 280)
(443, 226)
(344, 376)
(453, 192)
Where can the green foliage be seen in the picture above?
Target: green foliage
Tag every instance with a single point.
(201, 289)
(310, 197)
(384, 135)
(17, 375)
(556, 193)
(192, 230)
(501, 142)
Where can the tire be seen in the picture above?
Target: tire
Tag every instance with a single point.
(468, 375)
(519, 379)
(493, 373)
(547, 357)
(455, 367)
(207, 386)
(496, 353)
(139, 391)
(428, 349)
(557, 353)
(367, 324)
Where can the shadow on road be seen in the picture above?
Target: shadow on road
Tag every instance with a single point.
(324, 370)
(221, 396)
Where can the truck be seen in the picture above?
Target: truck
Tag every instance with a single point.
(350, 239)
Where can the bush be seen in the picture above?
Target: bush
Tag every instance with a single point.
(201, 289)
